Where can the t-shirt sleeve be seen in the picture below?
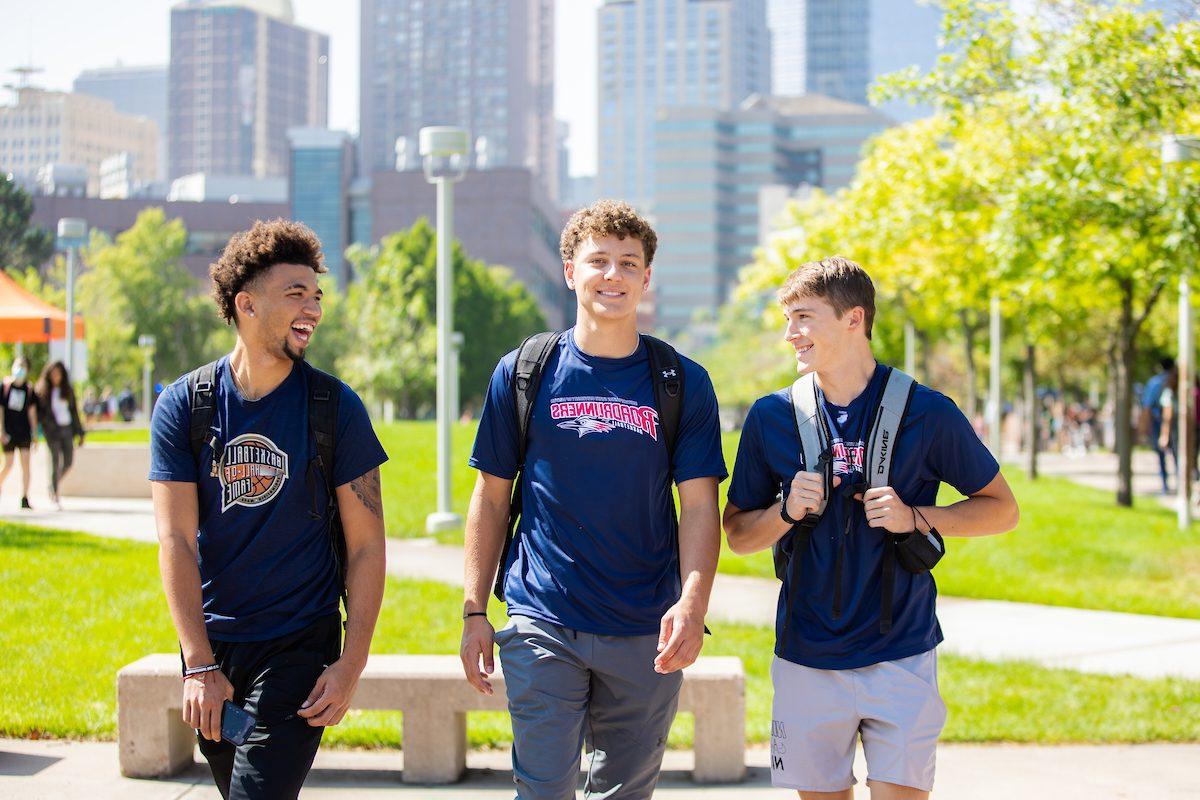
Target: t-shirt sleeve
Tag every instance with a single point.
(357, 450)
(496, 446)
(1167, 398)
(956, 454)
(170, 437)
(698, 441)
(753, 485)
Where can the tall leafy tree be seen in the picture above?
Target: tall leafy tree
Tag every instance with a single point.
(393, 350)
(21, 245)
(137, 284)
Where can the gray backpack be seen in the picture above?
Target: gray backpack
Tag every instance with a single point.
(915, 552)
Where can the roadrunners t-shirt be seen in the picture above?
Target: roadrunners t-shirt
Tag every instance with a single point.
(266, 561)
(595, 550)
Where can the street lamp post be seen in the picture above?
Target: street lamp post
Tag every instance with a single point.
(444, 158)
(1176, 149)
(71, 233)
(147, 342)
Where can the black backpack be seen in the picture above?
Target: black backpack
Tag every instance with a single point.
(532, 357)
(324, 390)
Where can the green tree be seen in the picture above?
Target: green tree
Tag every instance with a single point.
(138, 285)
(1098, 87)
(393, 351)
(20, 245)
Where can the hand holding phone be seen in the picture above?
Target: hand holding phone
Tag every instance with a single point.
(236, 723)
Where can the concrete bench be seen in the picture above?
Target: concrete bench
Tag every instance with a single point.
(434, 698)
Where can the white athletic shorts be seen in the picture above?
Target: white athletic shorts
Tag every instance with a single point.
(894, 706)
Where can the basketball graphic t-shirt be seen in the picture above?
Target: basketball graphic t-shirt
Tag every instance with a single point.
(266, 562)
(596, 551)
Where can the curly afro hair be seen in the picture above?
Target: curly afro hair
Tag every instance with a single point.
(248, 255)
(607, 218)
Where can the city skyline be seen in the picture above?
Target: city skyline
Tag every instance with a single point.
(88, 36)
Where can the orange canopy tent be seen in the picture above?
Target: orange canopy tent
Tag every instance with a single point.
(25, 317)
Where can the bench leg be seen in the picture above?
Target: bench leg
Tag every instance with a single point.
(152, 741)
(435, 745)
(720, 740)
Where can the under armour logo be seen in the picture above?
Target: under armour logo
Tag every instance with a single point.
(669, 373)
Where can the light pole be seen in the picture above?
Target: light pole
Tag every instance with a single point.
(444, 158)
(146, 342)
(71, 234)
(456, 342)
(1176, 149)
(994, 410)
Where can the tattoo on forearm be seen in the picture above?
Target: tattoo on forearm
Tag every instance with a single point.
(366, 488)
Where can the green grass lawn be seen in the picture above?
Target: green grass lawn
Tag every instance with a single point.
(119, 436)
(75, 608)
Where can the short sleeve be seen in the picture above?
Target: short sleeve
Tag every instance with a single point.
(496, 446)
(956, 454)
(357, 449)
(698, 441)
(170, 437)
(1167, 398)
(753, 485)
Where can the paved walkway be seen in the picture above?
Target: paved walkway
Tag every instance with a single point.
(58, 770)
(1149, 646)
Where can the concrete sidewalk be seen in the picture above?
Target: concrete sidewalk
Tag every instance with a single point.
(63, 770)
(1080, 639)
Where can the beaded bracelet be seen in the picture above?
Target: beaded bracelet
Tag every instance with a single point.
(191, 672)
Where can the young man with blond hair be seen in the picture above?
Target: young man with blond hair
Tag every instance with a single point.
(606, 598)
(853, 659)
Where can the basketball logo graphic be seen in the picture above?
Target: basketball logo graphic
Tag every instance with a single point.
(253, 471)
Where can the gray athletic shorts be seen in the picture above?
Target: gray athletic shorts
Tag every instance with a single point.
(569, 691)
(894, 706)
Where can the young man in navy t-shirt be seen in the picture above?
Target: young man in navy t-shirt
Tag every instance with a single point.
(606, 606)
(836, 676)
(246, 555)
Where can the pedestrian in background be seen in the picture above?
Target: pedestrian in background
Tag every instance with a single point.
(19, 422)
(61, 426)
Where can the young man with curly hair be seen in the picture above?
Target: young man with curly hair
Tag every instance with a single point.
(606, 599)
(856, 629)
(249, 553)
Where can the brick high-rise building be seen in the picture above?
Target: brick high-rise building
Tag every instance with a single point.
(242, 74)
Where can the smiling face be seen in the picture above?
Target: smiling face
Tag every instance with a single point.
(818, 336)
(608, 275)
(280, 310)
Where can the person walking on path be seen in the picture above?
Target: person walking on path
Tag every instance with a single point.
(606, 596)
(1159, 430)
(259, 532)
(18, 423)
(855, 633)
(59, 414)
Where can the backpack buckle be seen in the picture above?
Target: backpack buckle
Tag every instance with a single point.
(203, 386)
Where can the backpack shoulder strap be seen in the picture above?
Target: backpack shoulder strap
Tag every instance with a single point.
(813, 444)
(666, 370)
(324, 391)
(893, 405)
(532, 357)
(202, 392)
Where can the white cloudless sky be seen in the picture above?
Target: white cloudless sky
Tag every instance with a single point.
(65, 37)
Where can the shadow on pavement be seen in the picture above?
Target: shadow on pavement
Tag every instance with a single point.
(24, 764)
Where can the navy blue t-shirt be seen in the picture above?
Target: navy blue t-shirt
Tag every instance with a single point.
(594, 551)
(935, 444)
(266, 565)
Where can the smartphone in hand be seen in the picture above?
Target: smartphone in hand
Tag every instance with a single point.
(236, 723)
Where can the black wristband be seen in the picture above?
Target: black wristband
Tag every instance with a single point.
(783, 512)
(475, 614)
